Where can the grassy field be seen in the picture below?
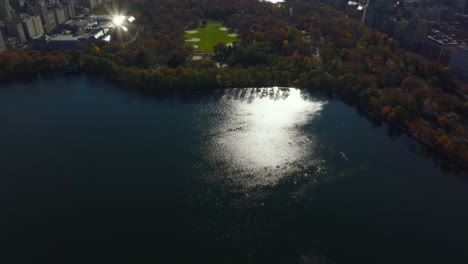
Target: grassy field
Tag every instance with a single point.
(209, 36)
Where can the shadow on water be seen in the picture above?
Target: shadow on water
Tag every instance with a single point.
(239, 94)
(402, 137)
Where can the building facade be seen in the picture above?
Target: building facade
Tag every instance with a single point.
(38, 25)
(440, 50)
(15, 28)
(18, 4)
(410, 34)
(59, 14)
(51, 19)
(69, 7)
(2, 43)
(459, 62)
(29, 28)
(47, 18)
(377, 13)
(6, 10)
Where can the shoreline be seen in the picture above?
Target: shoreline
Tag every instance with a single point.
(441, 155)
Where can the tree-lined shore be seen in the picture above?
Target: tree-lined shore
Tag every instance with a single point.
(305, 44)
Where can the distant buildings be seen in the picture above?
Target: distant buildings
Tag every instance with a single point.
(38, 25)
(59, 15)
(18, 4)
(16, 28)
(6, 10)
(436, 29)
(461, 5)
(435, 13)
(29, 27)
(459, 62)
(69, 7)
(377, 12)
(91, 4)
(54, 14)
(32, 26)
(48, 23)
(409, 33)
(24, 23)
(2, 43)
(51, 22)
(439, 48)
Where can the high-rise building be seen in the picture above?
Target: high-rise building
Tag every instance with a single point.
(32, 26)
(6, 10)
(18, 4)
(2, 43)
(59, 15)
(377, 12)
(47, 17)
(439, 48)
(29, 28)
(38, 25)
(16, 28)
(459, 62)
(69, 8)
(91, 4)
(51, 19)
(410, 34)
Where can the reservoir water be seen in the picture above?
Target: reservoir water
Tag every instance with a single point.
(90, 173)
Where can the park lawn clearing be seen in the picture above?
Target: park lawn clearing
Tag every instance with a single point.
(210, 36)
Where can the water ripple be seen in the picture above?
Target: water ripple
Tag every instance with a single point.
(256, 139)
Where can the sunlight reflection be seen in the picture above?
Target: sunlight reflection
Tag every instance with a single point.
(118, 20)
(260, 138)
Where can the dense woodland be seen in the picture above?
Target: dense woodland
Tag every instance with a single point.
(304, 43)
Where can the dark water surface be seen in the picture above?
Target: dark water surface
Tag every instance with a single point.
(90, 173)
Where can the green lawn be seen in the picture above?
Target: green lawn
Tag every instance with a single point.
(210, 36)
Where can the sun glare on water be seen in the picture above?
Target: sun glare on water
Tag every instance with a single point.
(259, 139)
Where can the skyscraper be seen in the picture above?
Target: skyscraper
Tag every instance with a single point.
(69, 7)
(376, 12)
(48, 23)
(16, 28)
(29, 28)
(18, 4)
(459, 62)
(59, 15)
(38, 25)
(6, 10)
